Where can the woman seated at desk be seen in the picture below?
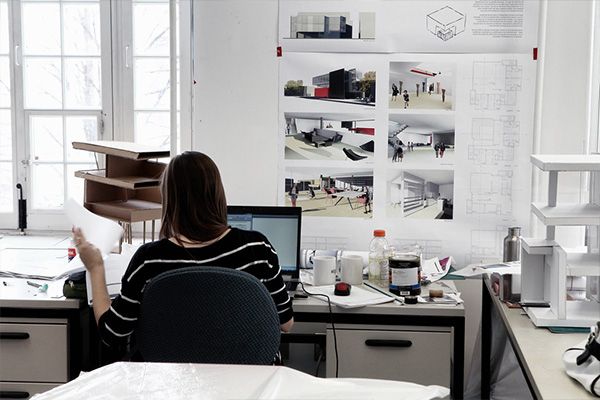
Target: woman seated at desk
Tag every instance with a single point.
(194, 227)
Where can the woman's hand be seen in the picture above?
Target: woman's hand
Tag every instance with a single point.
(89, 254)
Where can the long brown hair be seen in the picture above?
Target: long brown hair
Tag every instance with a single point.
(193, 198)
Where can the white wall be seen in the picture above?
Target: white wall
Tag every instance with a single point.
(562, 109)
(447, 191)
(236, 103)
(236, 100)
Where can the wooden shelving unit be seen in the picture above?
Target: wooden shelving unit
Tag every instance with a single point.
(127, 190)
(545, 265)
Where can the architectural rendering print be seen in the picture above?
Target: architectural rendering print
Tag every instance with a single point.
(421, 194)
(446, 23)
(332, 25)
(420, 85)
(331, 192)
(421, 139)
(329, 136)
(341, 85)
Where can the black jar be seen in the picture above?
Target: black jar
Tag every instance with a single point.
(404, 274)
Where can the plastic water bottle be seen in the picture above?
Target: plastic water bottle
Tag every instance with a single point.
(379, 259)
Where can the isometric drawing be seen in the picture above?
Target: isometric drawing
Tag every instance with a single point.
(421, 138)
(332, 25)
(421, 194)
(329, 136)
(446, 23)
(330, 192)
(496, 84)
(341, 85)
(421, 85)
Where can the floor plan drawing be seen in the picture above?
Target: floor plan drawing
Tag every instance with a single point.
(496, 84)
(493, 141)
(490, 193)
(486, 245)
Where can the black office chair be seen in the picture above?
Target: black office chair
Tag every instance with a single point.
(208, 315)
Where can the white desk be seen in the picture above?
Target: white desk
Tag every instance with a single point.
(538, 351)
(212, 381)
(390, 341)
(44, 341)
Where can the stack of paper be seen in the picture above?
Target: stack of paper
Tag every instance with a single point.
(358, 297)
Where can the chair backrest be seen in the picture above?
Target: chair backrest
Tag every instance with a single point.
(208, 315)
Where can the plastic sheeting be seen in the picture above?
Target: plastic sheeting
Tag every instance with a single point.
(588, 373)
(129, 381)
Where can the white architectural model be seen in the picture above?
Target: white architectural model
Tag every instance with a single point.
(545, 265)
(446, 23)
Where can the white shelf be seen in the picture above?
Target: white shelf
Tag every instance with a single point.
(538, 246)
(583, 264)
(567, 214)
(579, 314)
(566, 162)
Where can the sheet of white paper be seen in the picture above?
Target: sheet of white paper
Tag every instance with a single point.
(101, 232)
(358, 297)
(475, 270)
(432, 269)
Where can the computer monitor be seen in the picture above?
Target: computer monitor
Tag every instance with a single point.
(281, 225)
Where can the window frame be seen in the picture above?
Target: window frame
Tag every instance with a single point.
(116, 123)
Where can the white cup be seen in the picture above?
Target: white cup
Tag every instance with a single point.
(352, 269)
(324, 270)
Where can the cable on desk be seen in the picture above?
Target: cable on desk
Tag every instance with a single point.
(332, 325)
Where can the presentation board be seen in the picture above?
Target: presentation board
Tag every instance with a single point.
(414, 117)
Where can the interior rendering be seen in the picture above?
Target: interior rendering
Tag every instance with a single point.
(421, 194)
(421, 139)
(421, 85)
(329, 136)
(330, 192)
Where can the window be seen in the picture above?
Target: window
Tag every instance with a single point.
(6, 153)
(62, 94)
(79, 70)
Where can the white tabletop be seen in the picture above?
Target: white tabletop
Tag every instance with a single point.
(541, 351)
(351, 194)
(211, 381)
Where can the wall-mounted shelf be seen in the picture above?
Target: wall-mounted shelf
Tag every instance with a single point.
(545, 264)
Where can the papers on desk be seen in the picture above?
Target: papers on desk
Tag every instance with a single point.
(435, 269)
(476, 270)
(359, 297)
(32, 263)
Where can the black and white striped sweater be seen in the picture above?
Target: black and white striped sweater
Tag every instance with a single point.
(243, 250)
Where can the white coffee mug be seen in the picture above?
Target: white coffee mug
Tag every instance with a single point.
(352, 269)
(324, 270)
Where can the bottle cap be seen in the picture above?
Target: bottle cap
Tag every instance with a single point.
(379, 233)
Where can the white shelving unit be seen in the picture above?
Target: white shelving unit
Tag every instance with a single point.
(545, 265)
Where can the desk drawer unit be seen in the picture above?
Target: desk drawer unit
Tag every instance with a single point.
(422, 357)
(33, 352)
(20, 390)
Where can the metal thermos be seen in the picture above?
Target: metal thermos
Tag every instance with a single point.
(512, 245)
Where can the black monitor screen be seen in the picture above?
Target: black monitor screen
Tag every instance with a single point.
(281, 225)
